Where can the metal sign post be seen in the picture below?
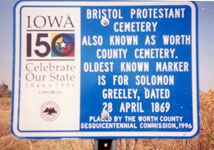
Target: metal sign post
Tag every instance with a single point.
(105, 145)
(105, 70)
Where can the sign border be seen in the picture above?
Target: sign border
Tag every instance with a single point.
(112, 134)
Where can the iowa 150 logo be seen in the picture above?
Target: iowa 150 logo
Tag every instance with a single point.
(61, 45)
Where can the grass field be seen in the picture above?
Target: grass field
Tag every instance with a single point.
(204, 141)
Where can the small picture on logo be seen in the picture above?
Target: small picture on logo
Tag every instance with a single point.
(49, 111)
(63, 45)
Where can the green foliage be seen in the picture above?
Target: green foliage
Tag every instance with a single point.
(211, 138)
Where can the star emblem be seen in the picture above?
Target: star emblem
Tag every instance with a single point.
(62, 45)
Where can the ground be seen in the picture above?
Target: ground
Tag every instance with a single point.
(204, 141)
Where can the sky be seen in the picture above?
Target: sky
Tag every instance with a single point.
(206, 43)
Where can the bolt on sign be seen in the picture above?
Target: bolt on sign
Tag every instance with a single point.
(105, 70)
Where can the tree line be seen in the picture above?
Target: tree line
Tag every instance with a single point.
(4, 91)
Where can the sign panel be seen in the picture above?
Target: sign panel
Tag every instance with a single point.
(105, 70)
